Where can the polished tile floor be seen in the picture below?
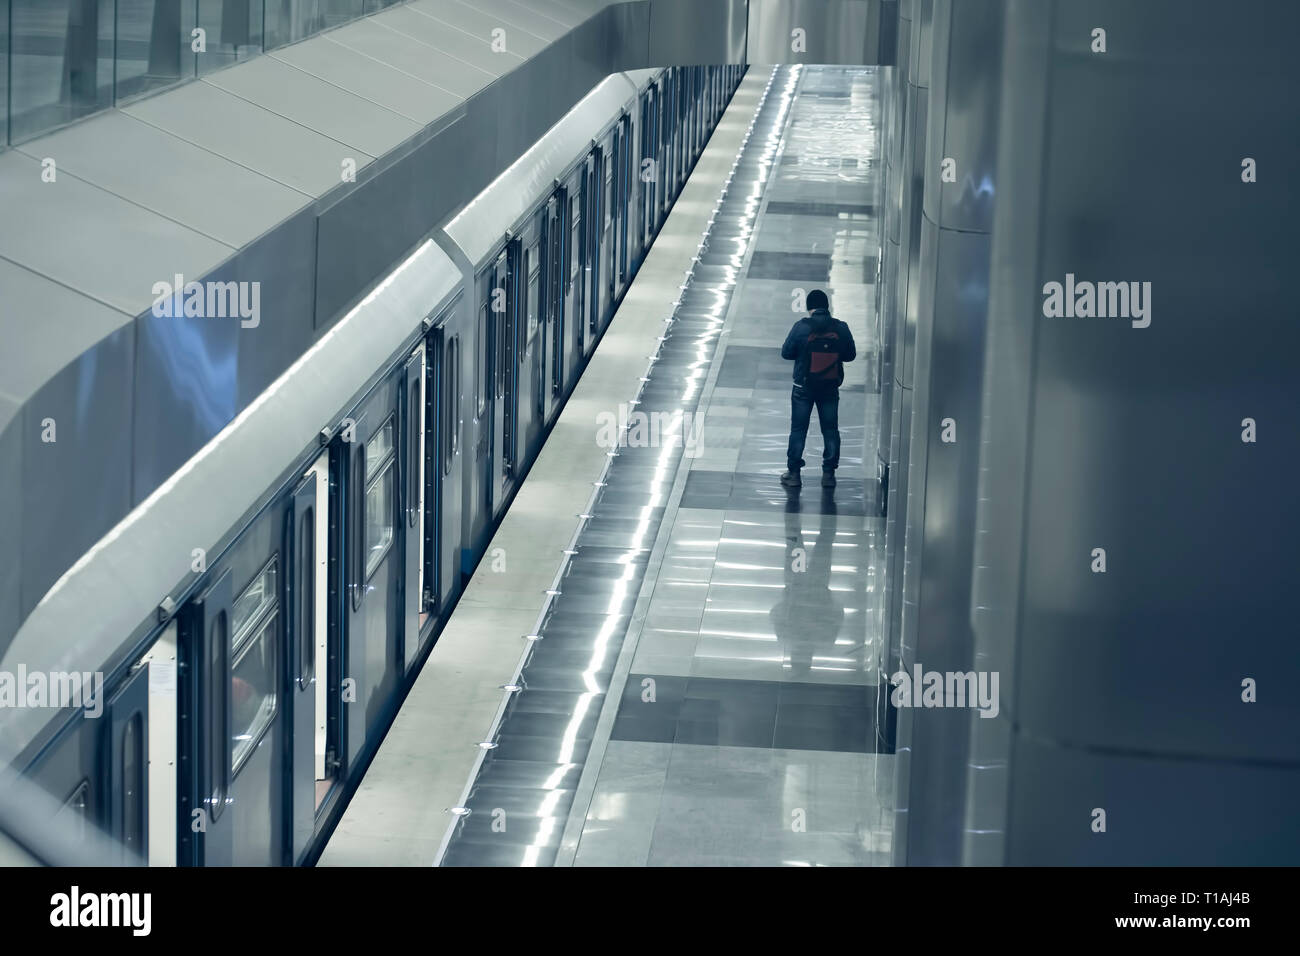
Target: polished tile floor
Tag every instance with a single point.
(745, 730)
(703, 685)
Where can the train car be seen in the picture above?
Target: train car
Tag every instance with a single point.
(351, 501)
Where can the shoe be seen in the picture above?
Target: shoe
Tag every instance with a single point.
(791, 479)
(828, 479)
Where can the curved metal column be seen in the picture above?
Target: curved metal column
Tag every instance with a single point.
(950, 311)
(1125, 722)
(906, 190)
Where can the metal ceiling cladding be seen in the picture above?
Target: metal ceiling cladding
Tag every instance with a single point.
(544, 728)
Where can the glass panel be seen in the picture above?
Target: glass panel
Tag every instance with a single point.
(252, 692)
(232, 32)
(380, 447)
(484, 371)
(455, 412)
(534, 278)
(61, 63)
(154, 40)
(449, 402)
(259, 593)
(4, 73)
(291, 20)
(133, 784)
(306, 596)
(217, 715)
(379, 519)
(71, 819)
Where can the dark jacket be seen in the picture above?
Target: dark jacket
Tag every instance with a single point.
(796, 343)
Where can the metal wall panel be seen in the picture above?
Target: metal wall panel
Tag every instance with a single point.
(311, 102)
(249, 135)
(698, 32)
(834, 31)
(365, 76)
(76, 487)
(1007, 404)
(1170, 812)
(130, 158)
(947, 302)
(11, 511)
(360, 235)
(412, 20)
(478, 23)
(194, 374)
(1135, 444)
(411, 56)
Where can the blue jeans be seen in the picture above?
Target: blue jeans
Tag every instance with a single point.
(802, 400)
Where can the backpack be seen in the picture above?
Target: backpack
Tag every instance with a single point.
(824, 365)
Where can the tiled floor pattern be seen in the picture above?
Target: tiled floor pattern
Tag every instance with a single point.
(744, 733)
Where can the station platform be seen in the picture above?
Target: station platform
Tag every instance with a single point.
(667, 658)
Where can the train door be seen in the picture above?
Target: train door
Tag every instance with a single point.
(443, 473)
(532, 351)
(127, 796)
(480, 495)
(673, 134)
(511, 359)
(374, 614)
(497, 299)
(205, 823)
(412, 509)
(608, 229)
(306, 539)
(576, 314)
(623, 207)
(593, 216)
(555, 245)
(648, 173)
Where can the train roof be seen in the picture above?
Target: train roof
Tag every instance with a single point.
(478, 227)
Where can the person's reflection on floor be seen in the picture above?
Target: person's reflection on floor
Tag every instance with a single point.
(807, 618)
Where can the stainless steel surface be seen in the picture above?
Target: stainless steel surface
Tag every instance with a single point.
(816, 31)
(1123, 689)
(952, 280)
(696, 32)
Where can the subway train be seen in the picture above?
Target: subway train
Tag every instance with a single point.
(236, 721)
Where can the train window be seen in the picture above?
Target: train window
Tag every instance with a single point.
(380, 447)
(252, 692)
(450, 401)
(217, 765)
(259, 595)
(74, 813)
(306, 596)
(379, 519)
(133, 783)
(455, 392)
(485, 370)
(355, 527)
(532, 269)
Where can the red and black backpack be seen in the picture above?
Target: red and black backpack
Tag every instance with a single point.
(824, 365)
